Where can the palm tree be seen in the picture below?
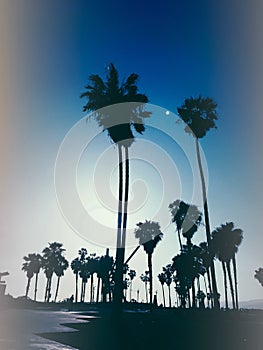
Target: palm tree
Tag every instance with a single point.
(28, 268)
(119, 121)
(132, 274)
(51, 257)
(75, 266)
(162, 279)
(149, 235)
(33, 264)
(168, 272)
(225, 242)
(92, 266)
(145, 278)
(259, 275)
(200, 116)
(187, 218)
(62, 265)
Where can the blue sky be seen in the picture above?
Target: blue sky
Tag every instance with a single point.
(178, 49)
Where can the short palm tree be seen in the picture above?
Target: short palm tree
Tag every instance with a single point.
(145, 279)
(132, 274)
(149, 235)
(200, 116)
(120, 121)
(28, 268)
(33, 263)
(162, 279)
(225, 242)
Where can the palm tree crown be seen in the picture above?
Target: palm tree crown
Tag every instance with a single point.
(118, 120)
(199, 114)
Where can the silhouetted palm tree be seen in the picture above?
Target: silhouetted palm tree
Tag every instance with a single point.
(200, 116)
(51, 257)
(259, 275)
(28, 268)
(145, 278)
(162, 279)
(225, 242)
(75, 266)
(119, 123)
(33, 264)
(62, 265)
(149, 235)
(92, 266)
(187, 218)
(132, 274)
(168, 272)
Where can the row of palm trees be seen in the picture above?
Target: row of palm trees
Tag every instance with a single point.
(185, 270)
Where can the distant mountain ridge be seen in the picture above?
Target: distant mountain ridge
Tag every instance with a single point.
(251, 304)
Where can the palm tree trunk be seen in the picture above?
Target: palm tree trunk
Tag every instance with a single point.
(193, 294)
(150, 276)
(206, 291)
(76, 290)
(146, 292)
(84, 291)
(207, 224)
(179, 238)
(126, 198)
(210, 287)
(225, 284)
(91, 288)
(98, 290)
(27, 286)
(235, 280)
(163, 295)
(169, 294)
(131, 291)
(119, 251)
(49, 289)
(46, 290)
(36, 281)
(56, 295)
(231, 283)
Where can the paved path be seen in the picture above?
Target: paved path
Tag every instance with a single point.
(18, 328)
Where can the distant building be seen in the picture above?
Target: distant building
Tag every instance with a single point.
(2, 283)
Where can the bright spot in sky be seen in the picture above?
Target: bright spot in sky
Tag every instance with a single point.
(167, 112)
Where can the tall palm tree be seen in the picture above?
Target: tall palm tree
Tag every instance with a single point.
(62, 265)
(120, 121)
(187, 218)
(225, 242)
(51, 257)
(200, 116)
(75, 266)
(259, 275)
(162, 279)
(132, 274)
(149, 235)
